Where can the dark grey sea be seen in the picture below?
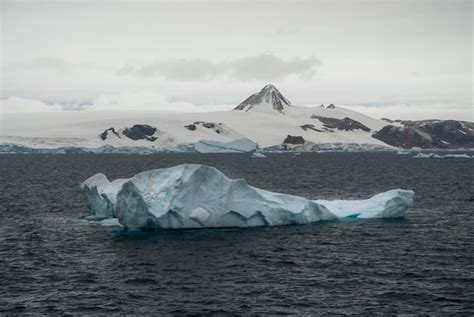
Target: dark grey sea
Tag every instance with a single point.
(52, 261)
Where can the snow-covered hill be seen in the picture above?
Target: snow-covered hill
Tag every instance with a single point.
(267, 118)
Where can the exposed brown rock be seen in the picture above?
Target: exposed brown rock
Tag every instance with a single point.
(346, 124)
(443, 134)
(290, 139)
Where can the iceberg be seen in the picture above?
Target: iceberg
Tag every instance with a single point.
(199, 196)
(458, 156)
(434, 155)
(390, 204)
(258, 155)
(242, 145)
(403, 152)
(101, 194)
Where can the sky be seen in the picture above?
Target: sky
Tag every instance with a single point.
(407, 59)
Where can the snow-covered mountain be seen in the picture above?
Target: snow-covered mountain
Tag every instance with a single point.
(268, 98)
(267, 118)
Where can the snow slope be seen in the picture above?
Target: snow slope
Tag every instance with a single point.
(261, 123)
(199, 196)
(266, 128)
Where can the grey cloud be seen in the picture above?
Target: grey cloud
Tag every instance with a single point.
(267, 66)
(260, 67)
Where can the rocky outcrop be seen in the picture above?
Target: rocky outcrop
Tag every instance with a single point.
(426, 134)
(331, 106)
(104, 134)
(290, 139)
(268, 95)
(140, 132)
(217, 127)
(346, 124)
(136, 132)
(307, 127)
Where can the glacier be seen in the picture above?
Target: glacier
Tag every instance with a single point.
(199, 196)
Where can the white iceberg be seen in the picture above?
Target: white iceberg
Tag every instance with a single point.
(434, 155)
(107, 222)
(390, 204)
(101, 194)
(242, 145)
(403, 152)
(457, 156)
(199, 196)
(258, 155)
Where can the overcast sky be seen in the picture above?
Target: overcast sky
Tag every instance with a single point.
(404, 59)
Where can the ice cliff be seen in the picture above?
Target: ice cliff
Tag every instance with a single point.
(101, 194)
(241, 145)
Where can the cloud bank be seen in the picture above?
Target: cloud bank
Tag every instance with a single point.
(259, 67)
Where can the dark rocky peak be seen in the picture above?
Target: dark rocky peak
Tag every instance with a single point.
(268, 95)
(331, 106)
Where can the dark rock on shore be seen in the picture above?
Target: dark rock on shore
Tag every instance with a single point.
(426, 134)
(290, 139)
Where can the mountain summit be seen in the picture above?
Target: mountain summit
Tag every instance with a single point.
(269, 95)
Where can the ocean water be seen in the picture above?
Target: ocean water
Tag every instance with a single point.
(52, 261)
